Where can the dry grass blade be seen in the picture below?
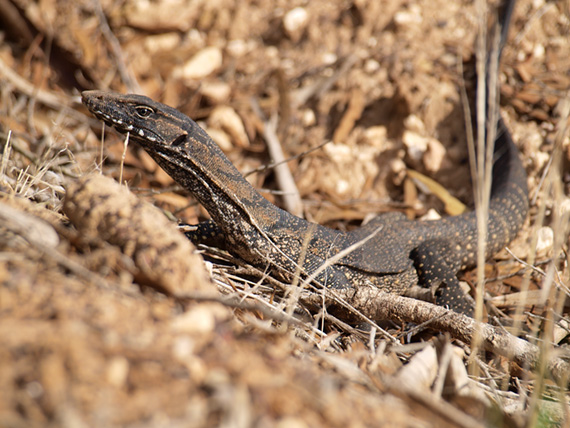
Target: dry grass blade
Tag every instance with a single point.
(123, 156)
(5, 155)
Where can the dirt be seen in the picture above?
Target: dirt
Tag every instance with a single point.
(99, 328)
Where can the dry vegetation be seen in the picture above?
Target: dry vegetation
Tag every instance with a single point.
(109, 318)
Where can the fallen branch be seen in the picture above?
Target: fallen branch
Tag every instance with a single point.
(378, 305)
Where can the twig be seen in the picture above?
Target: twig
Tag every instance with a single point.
(45, 97)
(543, 176)
(127, 77)
(291, 197)
(273, 164)
(304, 94)
(522, 262)
(530, 21)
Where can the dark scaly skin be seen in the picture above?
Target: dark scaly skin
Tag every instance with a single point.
(398, 254)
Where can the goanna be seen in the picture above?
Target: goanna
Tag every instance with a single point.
(398, 253)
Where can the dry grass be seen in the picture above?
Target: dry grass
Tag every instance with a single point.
(86, 342)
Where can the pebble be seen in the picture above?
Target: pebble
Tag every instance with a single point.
(216, 92)
(545, 240)
(227, 119)
(295, 22)
(434, 155)
(416, 145)
(202, 64)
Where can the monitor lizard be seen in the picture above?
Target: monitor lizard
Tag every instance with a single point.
(395, 253)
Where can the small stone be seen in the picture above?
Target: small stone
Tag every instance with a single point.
(434, 155)
(415, 124)
(183, 348)
(271, 52)
(216, 92)
(295, 22)
(371, 66)
(158, 17)
(227, 119)
(200, 65)
(377, 136)
(162, 42)
(236, 48)
(539, 51)
(117, 371)
(416, 145)
(199, 319)
(329, 58)
(408, 18)
(398, 168)
(308, 117)
(431, 215)
(545, 240)
(564, 207)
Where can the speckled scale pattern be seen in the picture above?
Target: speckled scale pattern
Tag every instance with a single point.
(398, 254)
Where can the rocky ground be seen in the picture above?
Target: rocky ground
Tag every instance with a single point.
(109, 318)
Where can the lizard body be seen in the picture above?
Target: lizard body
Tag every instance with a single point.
(398, 252)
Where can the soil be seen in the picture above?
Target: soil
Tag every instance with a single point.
(100, 325)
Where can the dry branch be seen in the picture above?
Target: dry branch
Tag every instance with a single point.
(378, 305)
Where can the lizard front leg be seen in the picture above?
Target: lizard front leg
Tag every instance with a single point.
(437, 264)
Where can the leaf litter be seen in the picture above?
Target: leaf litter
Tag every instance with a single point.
(90, 337)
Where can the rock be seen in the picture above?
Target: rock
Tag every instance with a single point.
(295, 22)
(202, 64)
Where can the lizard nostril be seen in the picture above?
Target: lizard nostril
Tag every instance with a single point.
(181, 139)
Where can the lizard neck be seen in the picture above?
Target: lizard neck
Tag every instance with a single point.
(204, 170)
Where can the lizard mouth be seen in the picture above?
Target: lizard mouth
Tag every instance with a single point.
(96, 106)
(139, 134)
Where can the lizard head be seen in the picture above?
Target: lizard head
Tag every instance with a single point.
(174, 141)
(148, 122)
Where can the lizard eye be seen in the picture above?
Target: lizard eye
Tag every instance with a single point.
(143, 111)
